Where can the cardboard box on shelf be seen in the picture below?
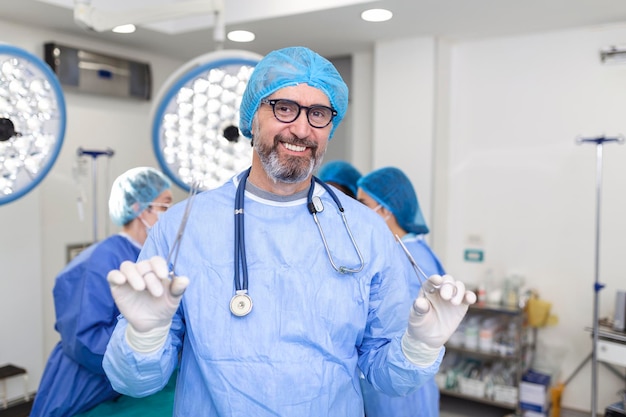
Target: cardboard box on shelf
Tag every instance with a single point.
(533, 391)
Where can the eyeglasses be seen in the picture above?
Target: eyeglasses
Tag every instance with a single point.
(287, 111)
(165, 206)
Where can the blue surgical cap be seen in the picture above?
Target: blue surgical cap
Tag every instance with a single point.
(289, 67)
(342, 173)
(393, 190)
(133, 191)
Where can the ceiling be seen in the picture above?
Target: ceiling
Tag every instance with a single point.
(331, 27)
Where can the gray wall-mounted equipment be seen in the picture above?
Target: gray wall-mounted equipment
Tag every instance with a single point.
(96, 73)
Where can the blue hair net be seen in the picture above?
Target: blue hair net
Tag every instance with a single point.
(342, 173)
(393, 190)
(289, 67)
(133, 191)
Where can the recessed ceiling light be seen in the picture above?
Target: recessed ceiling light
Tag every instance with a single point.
(124, 29)
(240, 36)
(376, 15)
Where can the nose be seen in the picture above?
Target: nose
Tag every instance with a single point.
(300, 127)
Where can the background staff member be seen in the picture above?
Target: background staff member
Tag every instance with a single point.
(341, 175)
(73, 380)
(389, 192)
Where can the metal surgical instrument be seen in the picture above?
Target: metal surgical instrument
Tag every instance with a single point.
(426, 284)
(181, 229)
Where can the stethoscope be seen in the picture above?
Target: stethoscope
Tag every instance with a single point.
(241, 303)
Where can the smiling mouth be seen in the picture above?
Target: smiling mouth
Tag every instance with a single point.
(294, 148)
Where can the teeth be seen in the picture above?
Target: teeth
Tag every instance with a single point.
(295, 148)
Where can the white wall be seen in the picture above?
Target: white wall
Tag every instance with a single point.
(36, 228)
(360, 147)
(402, 105)
(518, 180)
(509, 177)
(21, 309)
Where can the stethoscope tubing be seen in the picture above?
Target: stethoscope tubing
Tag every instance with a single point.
(240, 249)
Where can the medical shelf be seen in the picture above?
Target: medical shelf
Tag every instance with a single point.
(478, 354)
(520, 357)
(476, 399)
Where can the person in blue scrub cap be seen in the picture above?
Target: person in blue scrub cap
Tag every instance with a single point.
(342, 175)
(73, 380)
(389, 192)
(269, 316)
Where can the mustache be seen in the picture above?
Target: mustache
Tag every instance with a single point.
(294, 140)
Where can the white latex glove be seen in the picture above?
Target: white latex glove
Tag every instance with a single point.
(435, 315)
(148, 299)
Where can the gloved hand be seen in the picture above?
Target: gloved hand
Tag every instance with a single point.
(434, 316)
(148, 299)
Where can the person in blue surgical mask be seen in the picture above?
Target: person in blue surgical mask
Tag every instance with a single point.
(341, 175)
(389, 192)
(282, 289)
(73, 380)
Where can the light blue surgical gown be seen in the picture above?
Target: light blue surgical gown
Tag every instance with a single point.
(310, 329)
(425, 401)
(73, 380)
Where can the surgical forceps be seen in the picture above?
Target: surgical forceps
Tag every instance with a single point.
(426, 284)
(181, 229)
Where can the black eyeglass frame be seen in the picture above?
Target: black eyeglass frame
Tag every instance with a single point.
(273, 102)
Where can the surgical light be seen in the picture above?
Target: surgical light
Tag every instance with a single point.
(32, 121)
(195, 130)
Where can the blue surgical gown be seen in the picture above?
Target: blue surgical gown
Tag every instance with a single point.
(311, 328)
(73, 380)
(425, 401)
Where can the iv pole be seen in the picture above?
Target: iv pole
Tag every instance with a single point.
(599, 142)
(94, 171)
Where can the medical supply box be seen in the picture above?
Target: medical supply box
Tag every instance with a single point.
(533, 391)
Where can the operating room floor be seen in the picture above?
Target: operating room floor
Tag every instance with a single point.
(450, 407)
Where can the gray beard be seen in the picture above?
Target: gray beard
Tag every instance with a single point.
(291, 171)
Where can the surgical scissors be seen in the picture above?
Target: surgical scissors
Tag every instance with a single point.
(430, 287)
(181, 229)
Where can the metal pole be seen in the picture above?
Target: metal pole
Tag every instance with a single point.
(94, 185)
(94, 179)
(597, 285)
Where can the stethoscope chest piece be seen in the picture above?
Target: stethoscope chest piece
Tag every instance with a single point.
(317, 204)
(241, 304)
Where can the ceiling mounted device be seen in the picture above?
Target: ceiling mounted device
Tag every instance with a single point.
(88, 16)
(195, 116)
(32, 121)
(195, 123)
